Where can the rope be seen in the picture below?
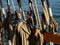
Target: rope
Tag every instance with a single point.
(13, 5)
(32, 11)
(45, 11)
(51, 15)
(25, 31)
(3, 16)
(8, 4)
(38, 17)
(21, 9)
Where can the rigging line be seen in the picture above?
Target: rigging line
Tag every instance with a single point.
(51, 15)
(31, 6)
(32, 10)
(50, 11)
(45, 12)
(3, 11)
(21, 9)
(8, 4)
(39, 23)
(25, 31)
(13, 5)
(2, 7)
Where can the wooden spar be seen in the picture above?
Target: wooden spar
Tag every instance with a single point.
(45, 11)
(13, 5)
(48, 36)
(21, 9)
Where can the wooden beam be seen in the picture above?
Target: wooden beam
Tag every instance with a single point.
(52, 37)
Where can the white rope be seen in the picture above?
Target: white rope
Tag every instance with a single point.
(8, 2)
(51, 15)
(55, 25)
(45, 12)
(39, 23)
(22, 11)
(31, 5)
(3, 16)
(13, 5)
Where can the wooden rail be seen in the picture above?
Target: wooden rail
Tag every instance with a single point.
(52, 37)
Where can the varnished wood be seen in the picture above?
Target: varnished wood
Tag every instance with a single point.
(52, 37)
(0, 24)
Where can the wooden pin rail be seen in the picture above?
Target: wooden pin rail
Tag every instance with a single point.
(52, 37)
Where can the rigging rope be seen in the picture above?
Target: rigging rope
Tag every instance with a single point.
(13, 5)
(8, 4)
(21, 9)
(37, 13)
